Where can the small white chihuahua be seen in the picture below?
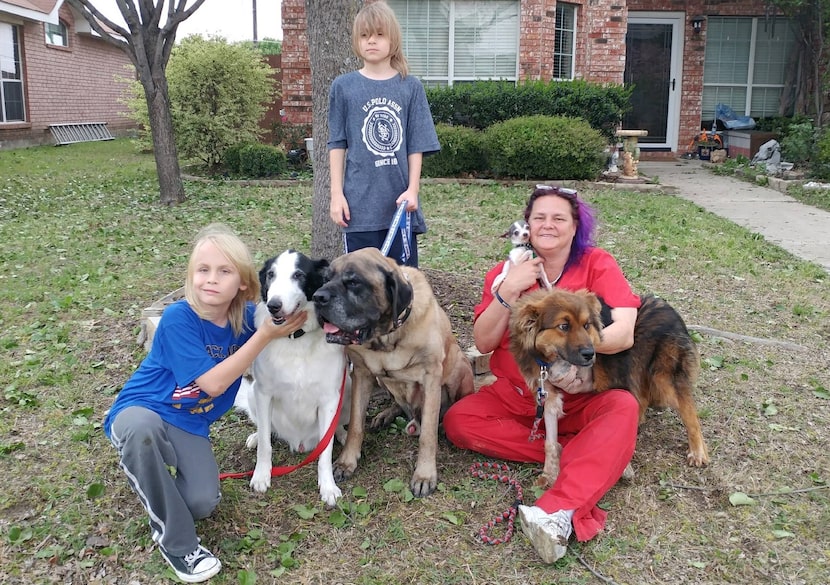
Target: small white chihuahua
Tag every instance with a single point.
(519, 234)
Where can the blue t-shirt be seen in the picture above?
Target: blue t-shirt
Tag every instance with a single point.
(379, 123)
(185, 346)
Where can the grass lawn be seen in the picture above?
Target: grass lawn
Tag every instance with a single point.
(86, 247)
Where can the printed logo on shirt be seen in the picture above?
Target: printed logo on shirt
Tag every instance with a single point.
(189, 392)
(383, 133)
(192, 392)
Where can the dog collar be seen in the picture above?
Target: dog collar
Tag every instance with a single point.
(297, 334)
(402, 318)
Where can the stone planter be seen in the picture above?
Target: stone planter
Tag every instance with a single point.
(151, 316)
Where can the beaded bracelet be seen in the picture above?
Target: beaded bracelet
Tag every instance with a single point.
(504, 303)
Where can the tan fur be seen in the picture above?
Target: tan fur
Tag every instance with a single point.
(419, 363)
(561, 328)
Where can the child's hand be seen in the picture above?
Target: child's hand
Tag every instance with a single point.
(289, 326)
(339, 210)
(411, 197)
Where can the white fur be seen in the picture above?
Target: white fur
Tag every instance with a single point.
(519, 234)
(296, 385)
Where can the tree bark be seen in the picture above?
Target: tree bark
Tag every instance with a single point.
(330, 53)
(148, 44)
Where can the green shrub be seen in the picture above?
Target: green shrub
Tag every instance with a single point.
(231, 157)
(798, 143)
(545, 147)
(484, 103)
(820, 164)
(218, 94)
(261, 160)
(461, 152)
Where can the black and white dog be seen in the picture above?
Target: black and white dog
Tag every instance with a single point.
(296, 380)
(519, 234)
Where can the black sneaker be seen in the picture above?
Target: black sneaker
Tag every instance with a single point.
(198, 566)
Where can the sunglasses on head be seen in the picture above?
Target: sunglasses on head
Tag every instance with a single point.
(569, 194)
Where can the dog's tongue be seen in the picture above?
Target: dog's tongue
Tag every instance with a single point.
(330, 328)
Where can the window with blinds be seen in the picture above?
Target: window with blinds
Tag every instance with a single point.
(564, 41)
(449, 41)
(11, 75)
(746, 63)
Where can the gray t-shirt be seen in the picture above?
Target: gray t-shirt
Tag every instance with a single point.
(379, 123)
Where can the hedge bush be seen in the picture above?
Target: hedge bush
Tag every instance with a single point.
(462, 151)
(545, 147)
(484, 103)
(254, 160)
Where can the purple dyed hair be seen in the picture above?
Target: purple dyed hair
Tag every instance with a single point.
(582, 213)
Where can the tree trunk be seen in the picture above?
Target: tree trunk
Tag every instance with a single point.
(330, 53)
(171, 188)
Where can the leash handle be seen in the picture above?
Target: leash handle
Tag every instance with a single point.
(279, 470)
(393, 230)
(509, 515)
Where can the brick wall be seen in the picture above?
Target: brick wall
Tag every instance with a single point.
(600, 48)
(77, 83)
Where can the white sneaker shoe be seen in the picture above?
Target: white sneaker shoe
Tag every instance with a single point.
(549, 533)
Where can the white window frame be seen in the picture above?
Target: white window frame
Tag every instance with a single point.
(53, 32)
(449, 74)
(10, 64)
(750, 85)
(560, 31)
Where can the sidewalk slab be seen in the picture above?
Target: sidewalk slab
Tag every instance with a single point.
(802, 230)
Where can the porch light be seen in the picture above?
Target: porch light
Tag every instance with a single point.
(697, 24)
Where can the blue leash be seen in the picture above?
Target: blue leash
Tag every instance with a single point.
(406, 232)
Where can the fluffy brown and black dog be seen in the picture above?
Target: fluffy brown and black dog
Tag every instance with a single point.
(394, 331)
(558, 329)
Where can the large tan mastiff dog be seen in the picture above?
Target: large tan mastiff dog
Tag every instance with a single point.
(396, 333)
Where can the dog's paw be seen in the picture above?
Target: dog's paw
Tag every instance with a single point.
(423, 484)
(330, 494)
(628, 473)
(343, 471)
(251, 441)
(697, 458)
(385, 417)
(544, 481)
(260, 482)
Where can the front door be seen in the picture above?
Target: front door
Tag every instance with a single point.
(653, 50)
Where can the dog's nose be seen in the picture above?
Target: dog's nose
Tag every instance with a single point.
(587, 354)
(274, 307)
(321, 297)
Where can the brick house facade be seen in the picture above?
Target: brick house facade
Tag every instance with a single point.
(600, 52)
(78, 77)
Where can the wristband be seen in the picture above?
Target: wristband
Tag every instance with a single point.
(504, 303)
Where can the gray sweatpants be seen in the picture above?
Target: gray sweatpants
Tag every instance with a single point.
(173, 472)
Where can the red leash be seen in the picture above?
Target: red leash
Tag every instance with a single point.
(508, 516)
(279, 470)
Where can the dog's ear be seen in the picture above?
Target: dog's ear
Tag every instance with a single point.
(398, 291)
(320, 274)
(600, 312)
(524, 327)
(263, 279)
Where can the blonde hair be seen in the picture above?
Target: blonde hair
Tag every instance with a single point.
(238, 254)
(378, 17)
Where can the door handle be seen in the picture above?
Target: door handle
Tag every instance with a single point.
(672, 84)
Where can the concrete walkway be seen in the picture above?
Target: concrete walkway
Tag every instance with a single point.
(802, 230)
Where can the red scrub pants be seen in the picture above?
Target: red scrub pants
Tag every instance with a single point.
(597, 432)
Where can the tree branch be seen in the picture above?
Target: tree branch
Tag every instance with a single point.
(738, 337)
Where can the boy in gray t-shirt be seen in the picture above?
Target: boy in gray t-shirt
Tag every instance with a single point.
(380, 127)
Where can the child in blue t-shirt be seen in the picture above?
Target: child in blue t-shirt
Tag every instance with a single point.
(159, 421)
(380, 128)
